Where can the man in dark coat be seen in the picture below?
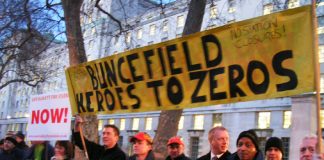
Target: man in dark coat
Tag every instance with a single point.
(175, 149)
(110, 149)
(218, 138)
(10, 151)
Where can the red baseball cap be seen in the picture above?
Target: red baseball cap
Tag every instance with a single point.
(175, 140)
(141, 136)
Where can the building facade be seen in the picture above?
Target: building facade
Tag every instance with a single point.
(145, 23)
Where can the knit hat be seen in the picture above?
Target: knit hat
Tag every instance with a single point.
(274, 142)
(20, 135)
(12, 140)
(251, 135)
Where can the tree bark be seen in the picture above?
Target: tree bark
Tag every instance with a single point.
(77, 55)
(169, 120)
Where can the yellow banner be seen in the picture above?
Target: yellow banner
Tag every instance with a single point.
(265, 57)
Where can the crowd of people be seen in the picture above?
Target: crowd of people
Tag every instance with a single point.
(15, 148)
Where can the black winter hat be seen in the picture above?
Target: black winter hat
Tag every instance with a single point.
(251, 135)
(12, 140)
(274, 142)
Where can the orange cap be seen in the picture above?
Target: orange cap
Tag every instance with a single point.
(176, 140)
(141, 136)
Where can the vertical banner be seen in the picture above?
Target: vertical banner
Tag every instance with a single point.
(50, 117)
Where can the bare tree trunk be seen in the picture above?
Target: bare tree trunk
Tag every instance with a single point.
(169, 120)
(77, 55)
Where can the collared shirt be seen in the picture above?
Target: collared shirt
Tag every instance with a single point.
(212, 155)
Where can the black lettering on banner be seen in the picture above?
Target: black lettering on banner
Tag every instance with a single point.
(277, 61)
(132, 96)
(88, 101)
(263, 86)
(111, 105)
(103, 84)
(211, 39)
(99, 101)
(94, 79)
(213, 84)
(79, 100)
(120, 63)
(131, 58)
(235, 79)
(170, 49)
(162, 61)
(111, 73)
(200, 76)
(155, 85)
(175, 90)
(120, 98)
(148, 62)
(190, 66)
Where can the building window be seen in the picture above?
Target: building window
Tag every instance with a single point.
(262, 141)
(180, 21)
(264, 120)
(120, 141)
(217, 119)
(100, 122)
(267, 9)
(286, 119)
(198, 121)
(122, 124)
(139, 34)
(194, 147)
(111, 121)
(148, 123)
(152, 29)
(213, 12)
(128, 37)
(180, 125)
(231, 6)
(150, 42)
(322, 118)
(293, 3)
(320, 30)
(165, 26)
(135, 124)
(285, 143)
(322, 83)
(321, 53)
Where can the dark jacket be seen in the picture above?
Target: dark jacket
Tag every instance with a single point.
(48, 152)
(181, 157)
(15, 154)
(234, 156)
(22, 145)
(207, 156)
(150, 156)
(99, 152)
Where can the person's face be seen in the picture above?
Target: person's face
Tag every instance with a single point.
(8, 145)
(59, 150)
(246, 150)
(109, 137)
(273, 153)
(175, 150)
(220, 141)
(18, 139)
(307, 149)
(141, 147)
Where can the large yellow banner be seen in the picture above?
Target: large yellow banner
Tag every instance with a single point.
(265, 57)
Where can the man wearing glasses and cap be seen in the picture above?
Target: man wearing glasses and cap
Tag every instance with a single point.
(176, 149)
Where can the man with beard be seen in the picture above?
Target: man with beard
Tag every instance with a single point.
(10, 151)
(110, 149)
(218, 138)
